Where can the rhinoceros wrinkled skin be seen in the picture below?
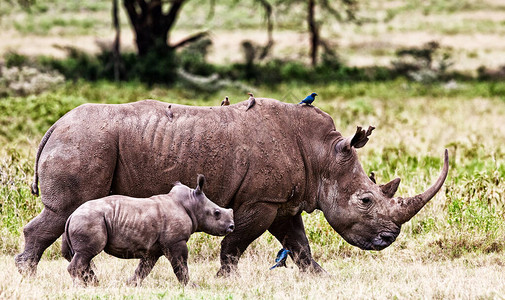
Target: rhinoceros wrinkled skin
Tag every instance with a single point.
(269, 163)
(144, 228)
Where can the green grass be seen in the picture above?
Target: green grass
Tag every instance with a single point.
(462, 225)
(51, 25)
(58, 18)
(411, 133)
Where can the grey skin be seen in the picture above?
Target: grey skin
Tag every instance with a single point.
(269, 164)
(144, 228)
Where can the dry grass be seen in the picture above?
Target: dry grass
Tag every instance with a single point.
(441, 253)
(385, 275)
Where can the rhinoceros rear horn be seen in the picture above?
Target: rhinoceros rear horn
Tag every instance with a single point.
(389, 189)
(408, 207)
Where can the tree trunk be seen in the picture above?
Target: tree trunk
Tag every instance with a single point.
(116, 54)
(314, 31)
(270, 28)
(150, 24)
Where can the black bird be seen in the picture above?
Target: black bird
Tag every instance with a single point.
(280, 260)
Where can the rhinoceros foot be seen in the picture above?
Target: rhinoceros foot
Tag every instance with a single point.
(313, 267)
(27, 266)
(226, 271)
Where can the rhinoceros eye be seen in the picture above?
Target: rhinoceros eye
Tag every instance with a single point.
(217, 213)
(366, 200)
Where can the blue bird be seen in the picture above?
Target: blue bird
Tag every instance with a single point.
(280, 260)
(309, 99)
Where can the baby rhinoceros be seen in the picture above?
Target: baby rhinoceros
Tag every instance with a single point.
(144, 228)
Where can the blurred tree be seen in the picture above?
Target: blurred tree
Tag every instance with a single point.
(24, 3)
(267, 7)
(152, 21)
(341, 10)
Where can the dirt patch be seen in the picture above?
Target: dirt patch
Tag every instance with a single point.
(33, 45)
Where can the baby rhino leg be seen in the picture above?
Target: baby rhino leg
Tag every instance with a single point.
(144, 268)
(80, 269)
(177, 253)
(85, 244)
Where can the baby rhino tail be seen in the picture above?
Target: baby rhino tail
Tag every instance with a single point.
(66, 247)
(35, 187)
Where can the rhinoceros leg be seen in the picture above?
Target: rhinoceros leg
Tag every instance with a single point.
(291, 234)
(145, 266)
(39, 234)
(250, 222)
(68, 177)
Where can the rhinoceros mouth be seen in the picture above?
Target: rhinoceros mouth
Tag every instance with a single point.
(383, 240)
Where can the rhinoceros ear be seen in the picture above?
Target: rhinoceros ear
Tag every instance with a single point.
(360, 138)
(389, 189)
(199, 184)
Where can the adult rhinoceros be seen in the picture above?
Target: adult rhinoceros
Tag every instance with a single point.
(269, 164)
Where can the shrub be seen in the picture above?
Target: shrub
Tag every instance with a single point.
(16, 202)
(27, 80)
(193, 58)
(426, 64)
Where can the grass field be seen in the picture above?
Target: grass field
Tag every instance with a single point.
(454, 248)
(374, 276)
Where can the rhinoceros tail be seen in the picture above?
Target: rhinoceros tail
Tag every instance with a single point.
(35, 184)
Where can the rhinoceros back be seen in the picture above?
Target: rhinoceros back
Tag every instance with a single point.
(140, 149)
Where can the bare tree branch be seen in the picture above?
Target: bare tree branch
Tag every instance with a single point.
(133, 14)
(327, 6)
(190, 39)
(267, 7)
(172, 14)
(212, 10)
(314, 31)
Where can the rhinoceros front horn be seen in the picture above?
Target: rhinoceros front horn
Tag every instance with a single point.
(408, 207)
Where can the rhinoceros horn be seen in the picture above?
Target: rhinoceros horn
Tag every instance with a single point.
(407, 207)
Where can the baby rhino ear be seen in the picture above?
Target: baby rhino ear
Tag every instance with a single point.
(199, 184)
